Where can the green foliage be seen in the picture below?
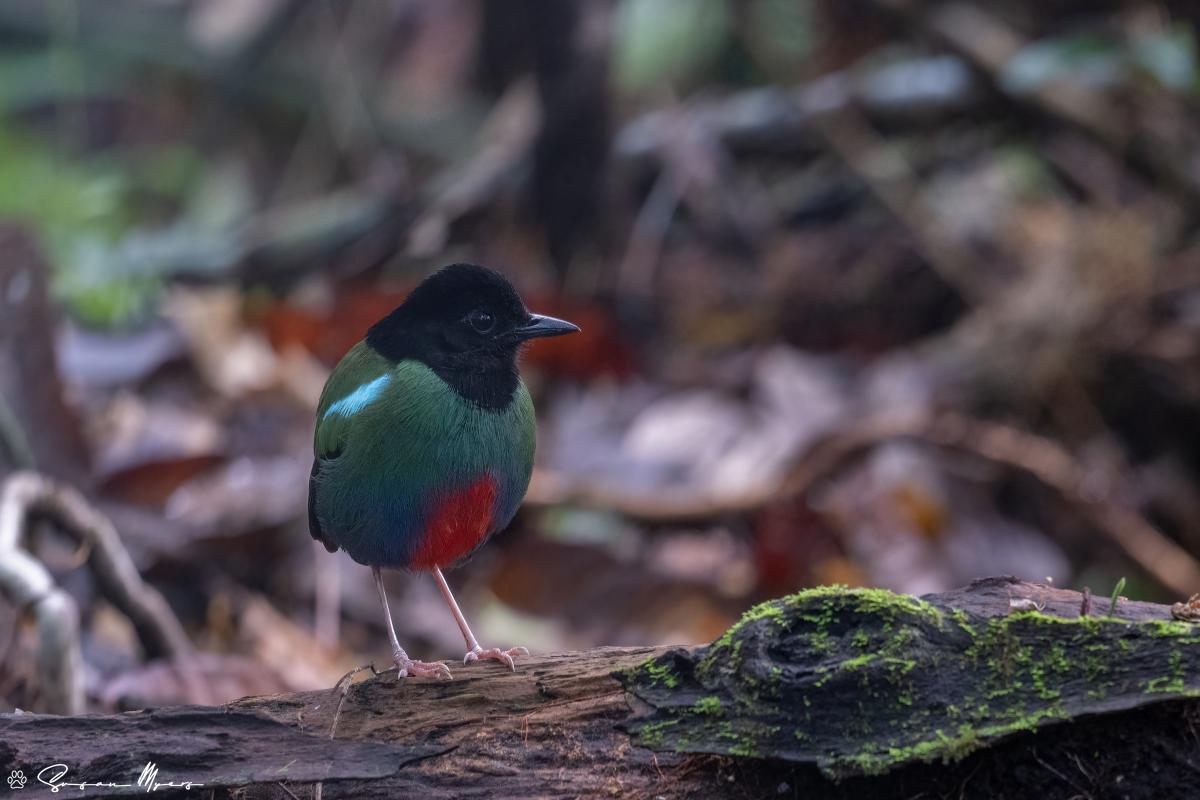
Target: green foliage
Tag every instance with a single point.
(84, 215)
(1116, 595)
(781, 34)
(1170, 58)
(77, 211)
(1167, 58)
(667, 41)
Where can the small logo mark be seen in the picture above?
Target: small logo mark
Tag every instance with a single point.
(16, 779)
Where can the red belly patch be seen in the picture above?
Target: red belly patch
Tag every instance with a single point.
(457, 525)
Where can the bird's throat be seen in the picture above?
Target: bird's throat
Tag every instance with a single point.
(488, 386)
(485, 378)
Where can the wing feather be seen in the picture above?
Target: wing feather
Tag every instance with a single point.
(357, 380)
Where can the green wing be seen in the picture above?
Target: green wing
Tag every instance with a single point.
(356, 380)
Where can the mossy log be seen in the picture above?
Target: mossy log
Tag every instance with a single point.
(861, 682)
(827, 693)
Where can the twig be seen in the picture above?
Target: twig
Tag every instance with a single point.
(635, 275)
(1171, 565)
(1064, 778)
(28, 585)
(506, 140)
(342, 689)
(893, 182)
(988, 44)
(26, 579)
(772, 119)
(290, 793)
(27, 492)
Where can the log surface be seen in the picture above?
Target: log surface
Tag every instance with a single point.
(831, 693)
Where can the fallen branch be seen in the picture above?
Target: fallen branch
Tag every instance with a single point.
(827, 682)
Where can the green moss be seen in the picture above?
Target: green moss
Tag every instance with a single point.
(1039, 684)
(1057, 659)
(869, 601)
(820, 642)
(889, 647)
(858, 661)
(1184, 632)
(726, 647)
(652, 734)
(747, 738)
(943, 746)
(820, 607)
(1172, 683)
(899, 666)
(772, 610)
(660, 674)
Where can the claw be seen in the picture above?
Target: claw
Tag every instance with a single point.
(422, 669)
(496, 654)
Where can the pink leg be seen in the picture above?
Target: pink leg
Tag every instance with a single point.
(406, 665)
(474, 651)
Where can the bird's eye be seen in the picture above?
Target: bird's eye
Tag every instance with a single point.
(481, 321)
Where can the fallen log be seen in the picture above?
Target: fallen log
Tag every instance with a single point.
(998, 689)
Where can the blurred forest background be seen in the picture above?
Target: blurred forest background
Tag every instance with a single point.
(875, 292)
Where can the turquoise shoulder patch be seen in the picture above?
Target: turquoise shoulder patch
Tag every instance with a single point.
(360, 398)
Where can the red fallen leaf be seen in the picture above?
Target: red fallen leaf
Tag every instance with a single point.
(604, 599)
(151, 482)
(287, 325)
(790, 542)
(598, 349)
(327, 335)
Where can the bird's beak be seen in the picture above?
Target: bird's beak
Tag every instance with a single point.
(539, 326)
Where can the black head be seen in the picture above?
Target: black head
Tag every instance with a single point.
(466, 323)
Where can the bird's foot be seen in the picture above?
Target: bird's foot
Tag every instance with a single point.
(496, 654)
(408, 668)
